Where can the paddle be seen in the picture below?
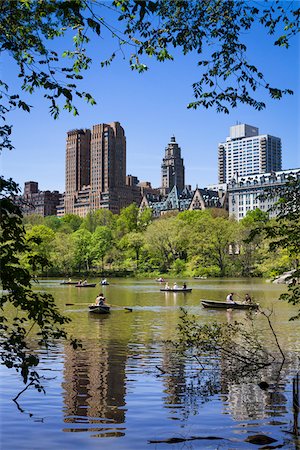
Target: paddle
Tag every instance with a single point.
(125, 307)
(84, 304)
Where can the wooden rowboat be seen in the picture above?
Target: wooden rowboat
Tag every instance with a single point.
(176, 290)
(103, 309)
(69, 282)
(226, 305)
(85, 285)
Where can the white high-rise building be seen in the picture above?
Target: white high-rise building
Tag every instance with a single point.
(246, 152)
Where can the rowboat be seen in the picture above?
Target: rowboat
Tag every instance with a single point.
(69, 282)
(104, 283)
(226, 305)
(85, 285)
(97, 309)
(177, 290)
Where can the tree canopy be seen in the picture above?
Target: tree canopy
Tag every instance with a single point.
(212, 30)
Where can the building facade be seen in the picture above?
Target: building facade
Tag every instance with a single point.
(34, 201)
(172, 168)
(244, 192)
(96, 171)
(177, 201)
(77, 165)
(246, 152)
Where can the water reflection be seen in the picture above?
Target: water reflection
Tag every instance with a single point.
(129, 382)
(94, 384)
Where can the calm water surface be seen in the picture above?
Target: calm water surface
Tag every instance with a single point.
(127, 386)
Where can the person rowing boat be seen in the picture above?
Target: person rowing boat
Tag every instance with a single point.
(100, 300)
(229, 298)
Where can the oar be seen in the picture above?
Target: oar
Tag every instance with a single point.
(77, 304)
(125, 307)
(84, 304)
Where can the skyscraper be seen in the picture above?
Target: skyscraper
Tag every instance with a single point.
(108, 162)
(246, 152)
(172, 168)
(77, 165)
(96, 171)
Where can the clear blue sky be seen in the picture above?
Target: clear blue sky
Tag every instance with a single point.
(151, 107)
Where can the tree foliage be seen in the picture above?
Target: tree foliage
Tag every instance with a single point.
(30, 309)
(29, 33)
(284, 232)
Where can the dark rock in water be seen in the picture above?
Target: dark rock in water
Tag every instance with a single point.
(260, 439)
(263, 385)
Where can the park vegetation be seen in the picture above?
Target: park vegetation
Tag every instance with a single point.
(190, 243)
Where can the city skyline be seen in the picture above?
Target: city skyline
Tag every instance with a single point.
(151, 108)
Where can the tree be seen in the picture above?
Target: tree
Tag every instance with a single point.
(100, 217)
(62, 254)
(253, 253)
(163, 241)
(128, 220)
(208, 241)
(152, 28)
(82, 249)
(284, 232)
(101, 242)
(72, 220)
(214, 33)
(40, 241)
(30, 309)
(53, 222)
(133, 241)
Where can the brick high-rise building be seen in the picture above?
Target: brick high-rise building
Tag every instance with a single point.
(96, 171)
(172, 168)
(246, 152)
(108, 165)
(77, 165)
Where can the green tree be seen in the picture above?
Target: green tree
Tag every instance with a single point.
(33, 219)
(164, 242)
(133, 241)
(152, 28)
(252, 254)
(101, 242)
(40, 241)
(209, 241)
(72, 220)
(128, 220)
(53, 222)
(62, 255)
(283, 232)
(82, 249)
(100, 217)
(30, 309)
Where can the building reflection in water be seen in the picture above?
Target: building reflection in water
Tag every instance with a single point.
(187, 388)
(94, 386)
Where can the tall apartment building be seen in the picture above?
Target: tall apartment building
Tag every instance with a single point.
(172, 168)
(246, 152)
(77, 166)
(96, 171)
(108, 164)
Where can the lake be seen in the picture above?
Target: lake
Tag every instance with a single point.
(128, 386)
